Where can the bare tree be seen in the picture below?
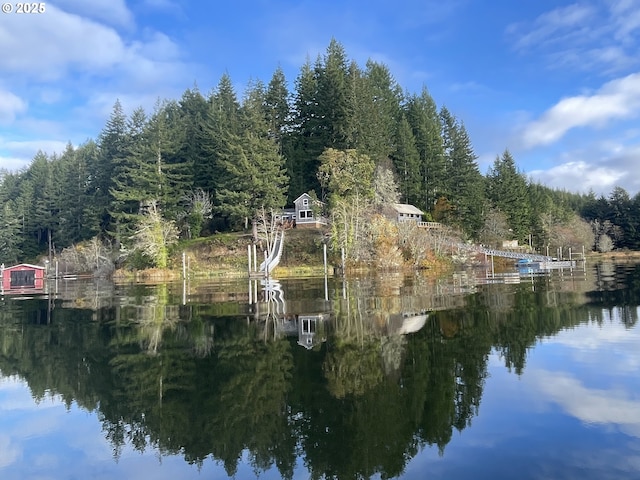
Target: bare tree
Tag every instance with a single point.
(495, 228)
(604, 243)
(385, 188)
(200, 209)
(155, 235)
(266, 227)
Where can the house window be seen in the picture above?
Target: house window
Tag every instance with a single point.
(306, 214)
(308, 326)
(305, 202)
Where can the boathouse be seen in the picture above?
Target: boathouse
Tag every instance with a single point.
(22, 277)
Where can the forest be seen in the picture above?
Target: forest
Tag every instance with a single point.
(347, 133)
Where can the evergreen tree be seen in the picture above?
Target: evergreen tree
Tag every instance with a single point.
(134, 178)
(323, 116)
(193, 110)
(166, 133)
(305, 143)
(74, 226)
(507, 190)
(463, 184)
(9, 234)
(220, 130)
(111, 151)
(377, 111)
(334, 105)
(406, 161)
(45, 181)
(277, 108)
(423, 117)
(254, 169)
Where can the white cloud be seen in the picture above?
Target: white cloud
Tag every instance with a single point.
(19, 154)
(114, 12)
(552, 26)
(593, 406)
(579, 176)
(31, 147)
(68, 59)
(626, 15)
(49, 47)
(618, 99)
(598, 37)
(613, 344)
(10, 106)
(9, 454)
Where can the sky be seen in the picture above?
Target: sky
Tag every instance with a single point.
(557, 83)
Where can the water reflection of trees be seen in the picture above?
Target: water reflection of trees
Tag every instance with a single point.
(204, 381)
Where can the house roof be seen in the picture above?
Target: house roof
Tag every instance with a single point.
(25, 265)
(406, 209)
(305, 195)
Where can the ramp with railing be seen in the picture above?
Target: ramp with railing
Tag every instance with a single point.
(274, 256)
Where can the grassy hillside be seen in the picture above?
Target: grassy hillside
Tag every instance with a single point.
(226, 254)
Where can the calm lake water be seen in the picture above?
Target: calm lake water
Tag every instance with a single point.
(532, 377)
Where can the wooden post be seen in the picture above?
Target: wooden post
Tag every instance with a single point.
(342, 254)
(325, 258)
(184, 265)
(326, 288)
(249, 258)
(255, 259)
(266, 264)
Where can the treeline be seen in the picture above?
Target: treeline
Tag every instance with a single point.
(208, 163)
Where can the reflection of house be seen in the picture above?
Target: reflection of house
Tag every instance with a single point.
(311, 330)
(405, 212)
(22, 277)
(406, 322)
(303, 212)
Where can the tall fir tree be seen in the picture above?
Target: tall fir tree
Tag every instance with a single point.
(112, 143)
(220, 130)
(423, 117)
(304, 144)
(133, 181)
(376, 103)
(166, 133)
(193, 110)
(277, 108)
(507, 191)
(464, 184)
(334, 102)
(254, 169)
(406, 161)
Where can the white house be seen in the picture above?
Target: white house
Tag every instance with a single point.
(302, 213)
(406, 212)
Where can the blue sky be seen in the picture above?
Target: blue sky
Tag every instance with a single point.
(555, 82)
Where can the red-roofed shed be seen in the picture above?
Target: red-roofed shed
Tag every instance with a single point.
(23, 277)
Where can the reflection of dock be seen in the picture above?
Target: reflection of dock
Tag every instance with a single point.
(268, 305)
